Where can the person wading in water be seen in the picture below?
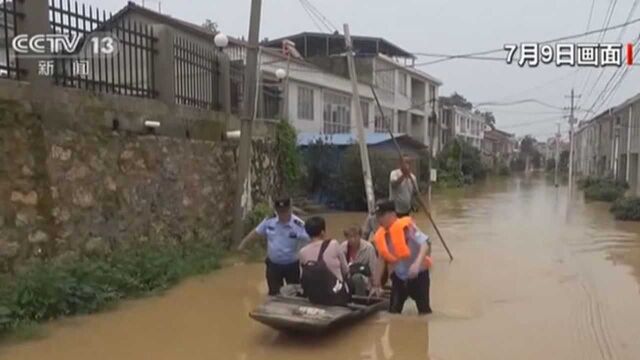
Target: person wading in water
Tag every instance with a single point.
(403, 188)
(407, 250)
(285, 234)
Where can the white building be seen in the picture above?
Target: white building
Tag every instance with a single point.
(462, 123)
(319, 90)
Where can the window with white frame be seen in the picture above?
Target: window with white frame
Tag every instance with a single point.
(364, 105)
(305, 103)
(402, 84)
(337, 113)
(382, 124)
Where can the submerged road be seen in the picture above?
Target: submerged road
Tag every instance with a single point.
(535, 276)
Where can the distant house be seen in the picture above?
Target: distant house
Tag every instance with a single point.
(499, 146)
(464, 124)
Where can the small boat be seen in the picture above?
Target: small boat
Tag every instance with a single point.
(294, 313)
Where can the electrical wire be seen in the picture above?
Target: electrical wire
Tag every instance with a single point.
(311, 16)
(323, 18)
(562, 38)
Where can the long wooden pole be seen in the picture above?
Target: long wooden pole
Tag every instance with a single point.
(413, 182)
(364, 154)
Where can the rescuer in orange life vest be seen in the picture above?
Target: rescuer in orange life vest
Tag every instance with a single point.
(407, 250)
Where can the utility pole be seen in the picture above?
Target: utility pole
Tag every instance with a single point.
(628, 162)
(364, 154)
(246, 120)
(557, 156)
(571, 123)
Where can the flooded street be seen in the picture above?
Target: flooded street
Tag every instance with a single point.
(534, 277)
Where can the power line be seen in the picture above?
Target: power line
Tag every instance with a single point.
(311, 16)
(325, 20)
(568, 37)
(610, 12)
(517, 102)
(593, 3)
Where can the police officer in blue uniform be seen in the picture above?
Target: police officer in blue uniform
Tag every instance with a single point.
(285, 235)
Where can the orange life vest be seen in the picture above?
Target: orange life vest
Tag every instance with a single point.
(396, 232)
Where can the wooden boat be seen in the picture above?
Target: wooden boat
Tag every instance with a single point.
(294, 313)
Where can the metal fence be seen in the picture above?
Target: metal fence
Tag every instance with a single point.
(9, 64)
(197, 70)
(129, 70)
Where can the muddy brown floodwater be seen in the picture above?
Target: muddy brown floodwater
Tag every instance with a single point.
(535, 276)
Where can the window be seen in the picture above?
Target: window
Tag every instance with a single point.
(402, 125)
(403, 122)
(337, 113)
(385, 79)
(402, 84)
(364, 105)
(382, 124)
(305, 103)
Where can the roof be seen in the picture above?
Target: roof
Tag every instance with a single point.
(306, 139)
(163, 18)
(361, 44)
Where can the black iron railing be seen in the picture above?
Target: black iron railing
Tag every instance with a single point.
(129, 70)
(197, 69)
(9, 63)
(236, 79)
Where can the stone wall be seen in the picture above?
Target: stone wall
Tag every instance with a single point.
(71, 185)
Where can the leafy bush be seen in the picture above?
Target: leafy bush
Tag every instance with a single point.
(257, 249)
(348, 181)
(626, 209)
(602, 189)
(288, 158)
(49, 290)
(504, 170)
(456, 157)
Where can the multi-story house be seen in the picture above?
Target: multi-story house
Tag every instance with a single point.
(319, 94)
(609, 144)
(464, 124)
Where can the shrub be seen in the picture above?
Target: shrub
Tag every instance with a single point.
(459, 156)
(504, 170)
(288, 158)
(626, 209)
(602, 189)
(48, 290)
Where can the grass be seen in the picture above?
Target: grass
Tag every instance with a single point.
(48, 290)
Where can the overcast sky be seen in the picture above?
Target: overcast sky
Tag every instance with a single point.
(453, 27)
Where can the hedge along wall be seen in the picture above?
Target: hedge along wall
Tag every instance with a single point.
(71, 185)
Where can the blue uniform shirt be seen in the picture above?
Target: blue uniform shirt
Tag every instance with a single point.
(415, 238)
(283, 239)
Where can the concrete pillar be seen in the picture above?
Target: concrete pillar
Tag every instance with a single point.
(164, 73)
(35, 21)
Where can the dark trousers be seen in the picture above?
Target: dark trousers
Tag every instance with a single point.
(416, 288)
(400, 215)
(277, 274)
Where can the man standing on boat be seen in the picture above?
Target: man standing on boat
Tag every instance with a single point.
(285, 234)
(403, 187)
(407, 250)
